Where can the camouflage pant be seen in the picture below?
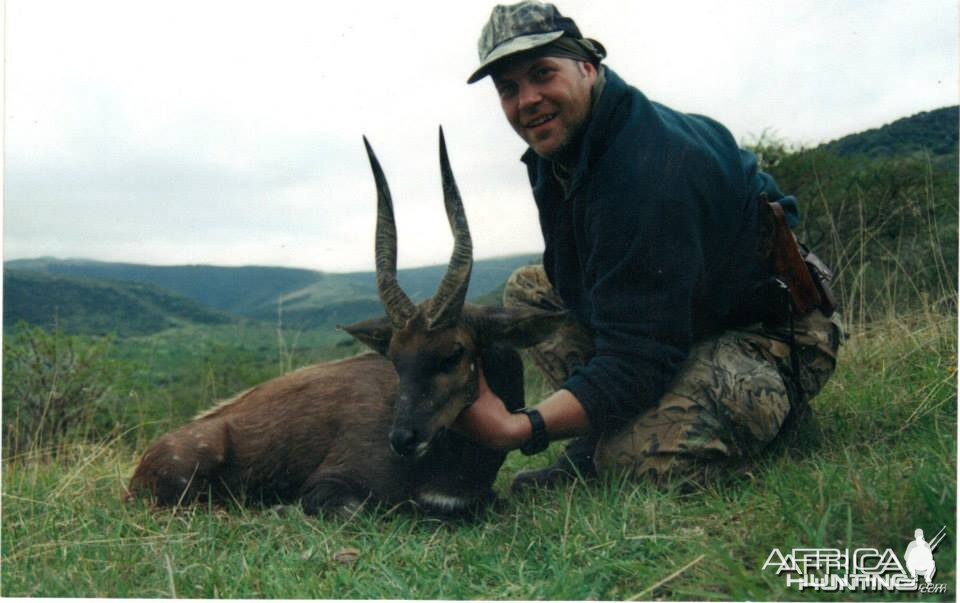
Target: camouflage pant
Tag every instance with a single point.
(731, 397)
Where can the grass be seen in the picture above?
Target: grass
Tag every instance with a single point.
(878, 462)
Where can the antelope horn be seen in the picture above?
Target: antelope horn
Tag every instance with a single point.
(397, 305)
(448, 301)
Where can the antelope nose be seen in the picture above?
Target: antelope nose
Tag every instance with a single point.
(403, 441)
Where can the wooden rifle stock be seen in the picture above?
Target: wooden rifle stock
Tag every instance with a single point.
(807, 278)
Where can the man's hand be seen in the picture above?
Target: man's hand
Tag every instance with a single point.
(489, 422)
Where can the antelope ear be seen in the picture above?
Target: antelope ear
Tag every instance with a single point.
(375, 333)
(514, 327)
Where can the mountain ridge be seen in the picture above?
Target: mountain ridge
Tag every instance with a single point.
(935, 131)
(97, 307)
(304, 298)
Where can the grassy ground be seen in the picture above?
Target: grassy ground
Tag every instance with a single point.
(878, 462)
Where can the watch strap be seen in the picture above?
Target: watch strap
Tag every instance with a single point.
(539, 440)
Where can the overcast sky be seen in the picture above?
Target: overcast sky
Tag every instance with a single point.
(174, 132)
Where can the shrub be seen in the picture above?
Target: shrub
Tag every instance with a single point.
(55, 385)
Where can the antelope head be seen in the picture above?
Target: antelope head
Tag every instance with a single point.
(435, 345)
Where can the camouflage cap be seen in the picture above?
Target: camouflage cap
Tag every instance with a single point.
(518, 27)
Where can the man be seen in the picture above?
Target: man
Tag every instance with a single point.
(654, 237)
(919, 557)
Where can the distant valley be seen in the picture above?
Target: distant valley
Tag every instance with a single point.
(85, 296)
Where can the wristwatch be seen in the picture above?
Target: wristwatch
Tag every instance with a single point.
(538, 441)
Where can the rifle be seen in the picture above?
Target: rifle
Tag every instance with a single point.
(806, 278)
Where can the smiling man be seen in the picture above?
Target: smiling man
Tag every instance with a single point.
(685, 351)
(555, 102)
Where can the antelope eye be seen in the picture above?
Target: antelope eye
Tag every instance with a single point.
(453, 357)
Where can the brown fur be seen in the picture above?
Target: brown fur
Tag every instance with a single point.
(321, 434)
(269, 440)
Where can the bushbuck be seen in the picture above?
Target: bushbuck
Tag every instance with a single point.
(372, 427)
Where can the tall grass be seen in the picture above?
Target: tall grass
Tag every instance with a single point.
(888, 228)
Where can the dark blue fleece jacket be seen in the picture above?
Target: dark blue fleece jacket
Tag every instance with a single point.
(654, 245)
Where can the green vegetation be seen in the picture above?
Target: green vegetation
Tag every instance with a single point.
(927, 133)
(887, 227)
(235, 290)
(100, 297)
(95, 307)
(877, 460)
(56, 386)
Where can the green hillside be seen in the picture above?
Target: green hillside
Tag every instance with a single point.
(236, 290)
(330, 315)
(309, 299)
(331, 294)
(91, 306)
(934, 132)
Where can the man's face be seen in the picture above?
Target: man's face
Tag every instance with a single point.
(546, 100)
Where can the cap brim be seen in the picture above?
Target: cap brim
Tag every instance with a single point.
(513, 46)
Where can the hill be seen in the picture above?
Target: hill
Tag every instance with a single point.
(309, 299)
(235, 290)
(91, 306)
(419, 283)
(934, 132)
